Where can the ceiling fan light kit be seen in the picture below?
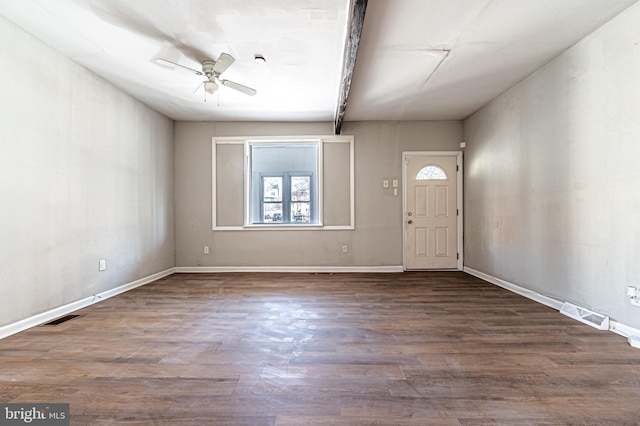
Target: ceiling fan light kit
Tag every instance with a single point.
(211, 87)
(212, 70)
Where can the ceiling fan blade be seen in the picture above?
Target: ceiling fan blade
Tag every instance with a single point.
(175, 65)
(224, 61)
(239, 87)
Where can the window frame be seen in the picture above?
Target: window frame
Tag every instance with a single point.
(287, 197)
(316, 185)
(442, 173)
(261, 192)
(312, 195)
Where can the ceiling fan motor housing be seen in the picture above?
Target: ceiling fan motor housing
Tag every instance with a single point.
(207, 68)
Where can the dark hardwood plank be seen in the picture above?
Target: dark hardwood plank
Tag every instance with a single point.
(440, 348)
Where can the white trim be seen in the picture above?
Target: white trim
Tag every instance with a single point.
(214, 183)
(284, 227)
(338, 228)
(433, 153)
(460, 177)
(404, 210)
(307, 269)
(320, 184)
(459, 201)
(623, 329)
(246, 173)
(352, 184)
(228, 141)
(241, 139)
(529, 294)
(18, 326)
(229, 228)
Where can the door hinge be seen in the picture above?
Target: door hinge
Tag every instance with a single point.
(457, 212)
(458, 256)
(457, 168)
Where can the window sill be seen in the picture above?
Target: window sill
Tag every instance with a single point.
(283, 226)
(268, 227)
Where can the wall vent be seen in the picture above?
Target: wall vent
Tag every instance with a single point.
(62, 319)
(584, 315)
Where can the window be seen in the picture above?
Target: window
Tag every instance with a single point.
(285, 199)
(284, 183)
(431, 172)
(287, 183)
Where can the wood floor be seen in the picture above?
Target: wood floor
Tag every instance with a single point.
(437, 348)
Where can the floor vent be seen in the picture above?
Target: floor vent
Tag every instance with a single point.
(62, 319)
(585, 315)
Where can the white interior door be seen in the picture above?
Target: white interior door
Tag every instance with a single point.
(431, 211)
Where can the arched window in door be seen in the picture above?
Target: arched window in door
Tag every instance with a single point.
(431, 172)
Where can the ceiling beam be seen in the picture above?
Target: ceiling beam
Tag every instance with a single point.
(354, 32)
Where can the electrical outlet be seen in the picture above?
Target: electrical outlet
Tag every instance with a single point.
(345, 248)
(634, 295)
(206, 249)
(102, 265)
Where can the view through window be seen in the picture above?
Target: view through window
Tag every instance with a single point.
(284, 183)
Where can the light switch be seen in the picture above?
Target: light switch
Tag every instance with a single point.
(385, 183)
(395, 183)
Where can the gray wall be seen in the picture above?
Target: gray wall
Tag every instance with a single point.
(377, 239)
(86, 173)
(552, 182)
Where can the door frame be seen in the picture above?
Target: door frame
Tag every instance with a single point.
(459, 203)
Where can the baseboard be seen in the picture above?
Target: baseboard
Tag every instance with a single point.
(307, 269)
(540, 298)
(18, 326)
(614, 326)
(624, 330)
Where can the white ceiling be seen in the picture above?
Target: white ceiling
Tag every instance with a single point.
(418, 59)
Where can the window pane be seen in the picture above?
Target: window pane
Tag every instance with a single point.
(300, 188)
(272, 212)
(431, 172)
(272, 189)
(300, 212)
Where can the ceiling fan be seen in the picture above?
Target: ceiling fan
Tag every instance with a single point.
(211, 70)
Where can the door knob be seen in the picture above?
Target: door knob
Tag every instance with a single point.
(409, 221)
(409, 214)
